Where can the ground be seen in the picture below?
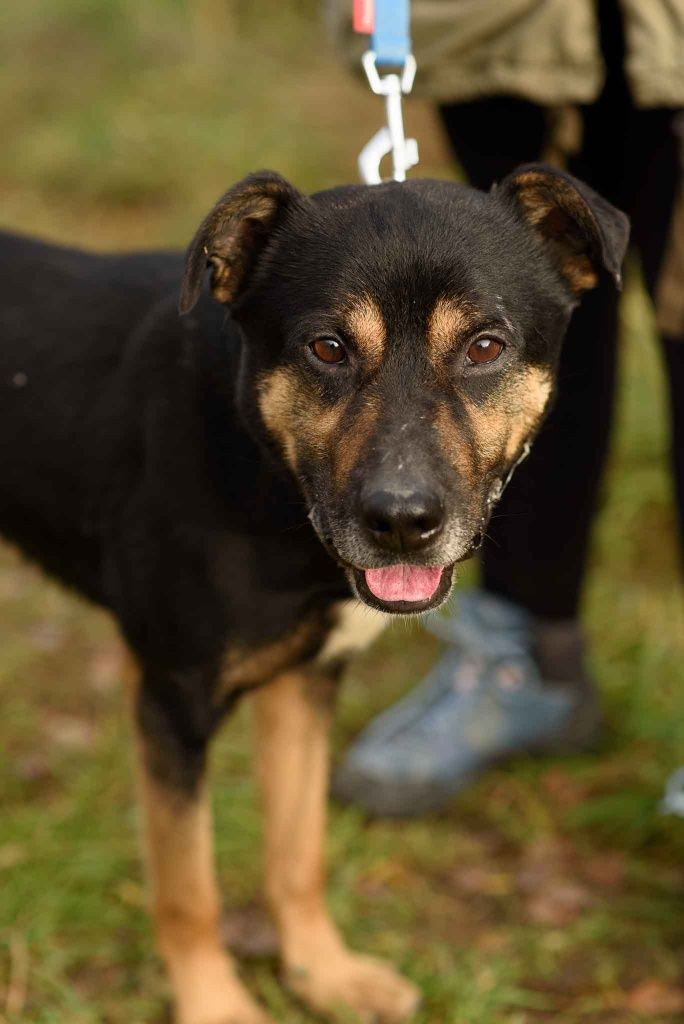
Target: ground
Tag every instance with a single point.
(551, 890)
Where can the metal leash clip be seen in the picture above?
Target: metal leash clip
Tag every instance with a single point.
(390, 139)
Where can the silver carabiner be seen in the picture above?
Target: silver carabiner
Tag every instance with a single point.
(390, 139)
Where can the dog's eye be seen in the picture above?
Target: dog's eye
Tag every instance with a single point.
(328, 350)
(484, 350)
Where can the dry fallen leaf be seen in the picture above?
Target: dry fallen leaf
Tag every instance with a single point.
(560, 903)
(477, 880)
(544, 861)
(654, 998)
(33, 767)
(547, 878)
(606, 870)
(69, 731)
(565, 790)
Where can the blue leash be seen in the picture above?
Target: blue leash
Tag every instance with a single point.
(391, 39)
(387, 22)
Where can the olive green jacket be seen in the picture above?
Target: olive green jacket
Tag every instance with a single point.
(546, 51)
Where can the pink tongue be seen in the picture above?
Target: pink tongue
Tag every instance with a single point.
(404, 582)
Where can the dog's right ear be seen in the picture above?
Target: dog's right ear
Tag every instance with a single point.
(233, 234)
(581, 232)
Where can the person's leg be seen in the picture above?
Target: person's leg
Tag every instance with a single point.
(656, 193)
(491, 137)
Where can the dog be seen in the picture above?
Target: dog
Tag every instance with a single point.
(324, 431)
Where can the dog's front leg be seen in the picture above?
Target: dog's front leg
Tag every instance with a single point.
(292, 724)
(184, 894)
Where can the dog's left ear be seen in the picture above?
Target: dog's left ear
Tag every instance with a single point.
(233, 234)
(580, 230)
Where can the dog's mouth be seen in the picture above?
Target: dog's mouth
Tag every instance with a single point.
(403, 588)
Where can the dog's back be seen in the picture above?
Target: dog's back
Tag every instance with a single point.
(68, 322)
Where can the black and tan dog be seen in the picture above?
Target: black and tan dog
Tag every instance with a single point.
(233, 485)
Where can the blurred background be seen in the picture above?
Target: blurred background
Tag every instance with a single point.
(552, 890)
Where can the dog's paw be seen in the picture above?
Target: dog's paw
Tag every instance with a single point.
(232, 1006)
(369, 987)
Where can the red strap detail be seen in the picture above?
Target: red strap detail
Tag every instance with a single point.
(364, 16)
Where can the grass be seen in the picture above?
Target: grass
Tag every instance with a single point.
(551, 890)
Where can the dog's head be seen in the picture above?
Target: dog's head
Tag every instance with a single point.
(400, 343)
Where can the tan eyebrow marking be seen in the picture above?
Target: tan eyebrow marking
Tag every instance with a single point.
(365, 324)
(448, 319)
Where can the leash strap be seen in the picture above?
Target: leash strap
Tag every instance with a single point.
(388, 24)
(391, 38)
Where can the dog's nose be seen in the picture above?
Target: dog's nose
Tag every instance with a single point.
(402, 522)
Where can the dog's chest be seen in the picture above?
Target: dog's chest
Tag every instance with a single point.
(327, 641)
(355, 628)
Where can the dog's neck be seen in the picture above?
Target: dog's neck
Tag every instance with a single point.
(249, 476)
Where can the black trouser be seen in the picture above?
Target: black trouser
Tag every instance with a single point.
(537, 546)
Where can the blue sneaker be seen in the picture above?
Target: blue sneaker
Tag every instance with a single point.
(505, 684)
